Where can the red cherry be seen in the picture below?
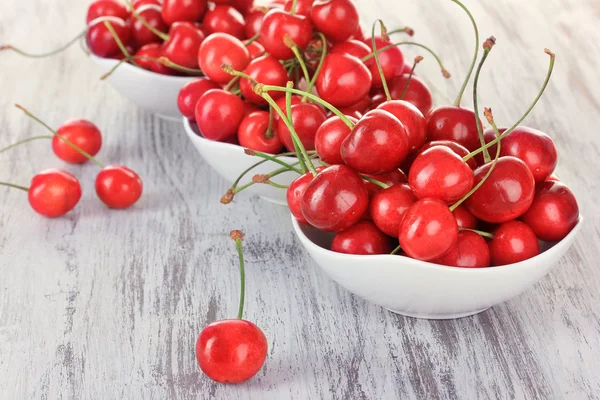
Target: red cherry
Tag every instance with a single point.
(362, 238)
(440, 173)
(249, 108)
(344, 80)
(267, 70)
(54, 192)
(417, 93)
(513, 242)
(390, 178)
(218, 49)
(295, 192)
(100, 40)
(506, 194)
(335, 199)
(82, 134)
(142, 35)
(388, 207)
(360, 107)
(118, 186)
(464, 218)
(243, 6)
(152, 50)
(226, 19)
(252, 134)
(307, 118)
(219, 114)
(254, 21)
(231, 351)
(453, 123)
(358, 35)
(329, 138)
(460, 150)
(281, 105)
(428, 230)
(255, 50)
(140, 3)
(377, 144)
(106, 8)
(391, 60)
(276, 25)
(183, 10)
(412, 119)
(336, 19)
(354, 48)
(190, 93)
(553, 213)
(471, 251)
(303, 7)
(183, 44)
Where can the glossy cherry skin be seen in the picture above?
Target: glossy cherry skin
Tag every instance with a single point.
(377, 144)
(152, 50)
(513, 242)
(335, 199)
(344, 80)
(218, 49)
(106, 8)
(388, 207)
(440, 173)
(54, 192)
(336, 19)
(329, 138)
(460, 150)
(184, 41)
(464, 218)
(118, 186)
(190, 93)
(428, 230)
(142, 35)
(100, 40)
(252, 134)
(226, 19)
(303, 7)
(307, 118)
(219, 114)
(82, 134)
(392, 61)
(553, 213)
(255, 49)
(295, 192)
(231, 351)
(183, 10)
(140, 3)
(281, 105)
(534, 148)
(276, 25)
(267, 70)
(453, 123)
(417, 93)
(412, 119)
(471, 251)
(390, 178)
(363, 238)
(506, 194)
(354, 48)
(254, 21)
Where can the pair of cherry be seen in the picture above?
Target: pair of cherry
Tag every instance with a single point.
(55, 192)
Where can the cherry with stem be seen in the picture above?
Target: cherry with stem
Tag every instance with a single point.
(152, 29)
(119, 42)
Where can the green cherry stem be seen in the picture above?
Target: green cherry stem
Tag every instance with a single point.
(152, 29)
(238, 236)
(480, 233)
(119, 42)
(474, 61)
(67, 141)
(407, 29)
(12, 185)
(293, 8)
(251, 40)
(113, 69)
(48, 54)
(231, 84)
(418, 59)
(396, 250)
(168, 63)
(290, 43)
(31, 139)
(298, 145)
(384, 36)
(487, 47)
(375, 181)
(269, 157)
(312, 82)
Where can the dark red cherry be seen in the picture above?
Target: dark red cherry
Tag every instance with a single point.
(412, 119)
(190, 93)
(140, 3)
(252, 134)
(226, 19)
(336, 19)
(218, 49)
(152, 15)
(295, 192)
(471, 251)
(184, 41)
(464, 218)
(183, 10)
(267, 70)
(146, 55)
(276, 25)
(303, 7)
(506, 194)
(361, 107)
(363, 238)
(553, 213)
(513, 242)
(329, 138)
(307, 118)
(392, 61)
(100, 40)
(243, 6)
(344, 80)
(417, 93)
(335, 200)
(219, 114)
(106, 8)
(428, 230)
(388, 207)
(453, 123)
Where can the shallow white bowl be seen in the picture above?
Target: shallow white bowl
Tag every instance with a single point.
(148, 90)
(229, 160)
(424, 290)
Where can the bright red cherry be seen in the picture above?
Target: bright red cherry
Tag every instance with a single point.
(218, 49)
(453, 123)
(226, 19)
(276, 25)
(184, 41)
(428, 230)
(255, 49)
(82, 134)
(390, 178)
(471, 251)
(190, 93)
(553, 213)
(362, 238)
(506, 194)
(118, 187)
(267, 70)
(295, 192)
(231, 351)
(303, 7)
(392, 61)
(253, 134)
(336, 19)
(54, 192)
(106, 8)
(329, 138)
(344, 80)
(377, 144)
(100, 40)
(460, 150)
(152, 51)
(307, 118)
(140, 3)
(417, 93)
(152, 15)
(183, 10)
(412, 119)
(513, 242)
(354, 48)
(254, 21)
(219, 114)
(335, 199)
(388, 207)
(464, 218)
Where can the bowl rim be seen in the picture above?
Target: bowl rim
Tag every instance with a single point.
(307, 242)
(133, 68)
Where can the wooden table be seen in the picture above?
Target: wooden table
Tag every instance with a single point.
(105, 304)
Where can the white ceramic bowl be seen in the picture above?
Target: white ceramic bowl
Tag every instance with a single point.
(229, 160)
(148, 90)
(424, 290)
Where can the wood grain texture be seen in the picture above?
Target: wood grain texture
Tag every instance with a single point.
(106, 304)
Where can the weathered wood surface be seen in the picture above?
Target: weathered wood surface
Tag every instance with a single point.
(106, 304)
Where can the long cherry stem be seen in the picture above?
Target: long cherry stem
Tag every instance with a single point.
(418, 59)
(474, 61)
(376, 55)
(487, 47)
(152, 29)
(252, 40)
(48, 54)
(293, 8)
(119, 42)
(290, 43)
(298, 145)
(31, 139)
(12, 185)
(312, 82)
(231, 84)
(480, 233)
(269, 157)
(64, 139)
(238, 236)
(375, 181)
